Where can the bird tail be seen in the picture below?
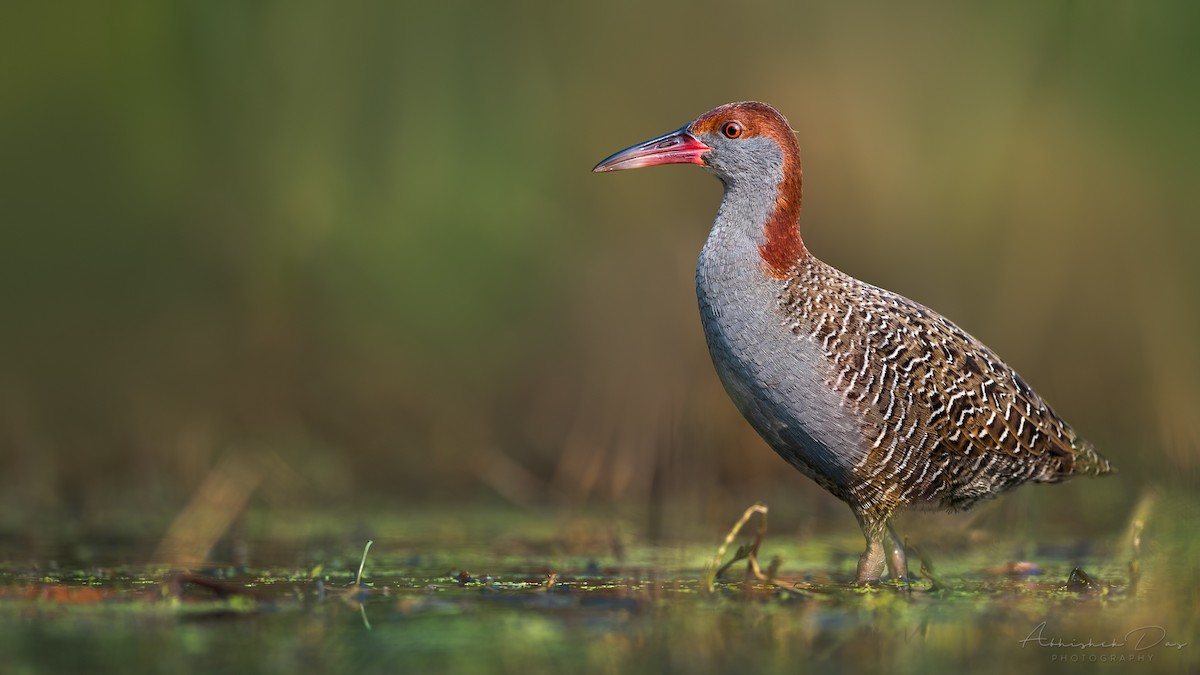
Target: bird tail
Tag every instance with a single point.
(1088, 461)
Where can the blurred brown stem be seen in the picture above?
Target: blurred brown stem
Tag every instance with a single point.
(750, 553)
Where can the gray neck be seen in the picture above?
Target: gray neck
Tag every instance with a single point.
(730, 263)
(751, 183)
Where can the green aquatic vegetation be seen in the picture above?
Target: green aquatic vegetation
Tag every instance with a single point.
(521, 602)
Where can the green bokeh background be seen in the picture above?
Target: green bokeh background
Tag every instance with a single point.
(362, 240)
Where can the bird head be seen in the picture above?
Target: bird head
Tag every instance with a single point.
(738, 142)
(752, 149)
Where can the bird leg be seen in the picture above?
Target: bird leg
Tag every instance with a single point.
(897, 561)
(884, 548)
(871, 563)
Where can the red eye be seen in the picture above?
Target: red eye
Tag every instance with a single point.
(731, 129)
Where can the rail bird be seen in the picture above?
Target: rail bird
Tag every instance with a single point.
(880, 400)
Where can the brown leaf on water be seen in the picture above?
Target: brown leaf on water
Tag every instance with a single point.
(177, 584)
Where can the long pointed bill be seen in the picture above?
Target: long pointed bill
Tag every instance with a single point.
(677, 147)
